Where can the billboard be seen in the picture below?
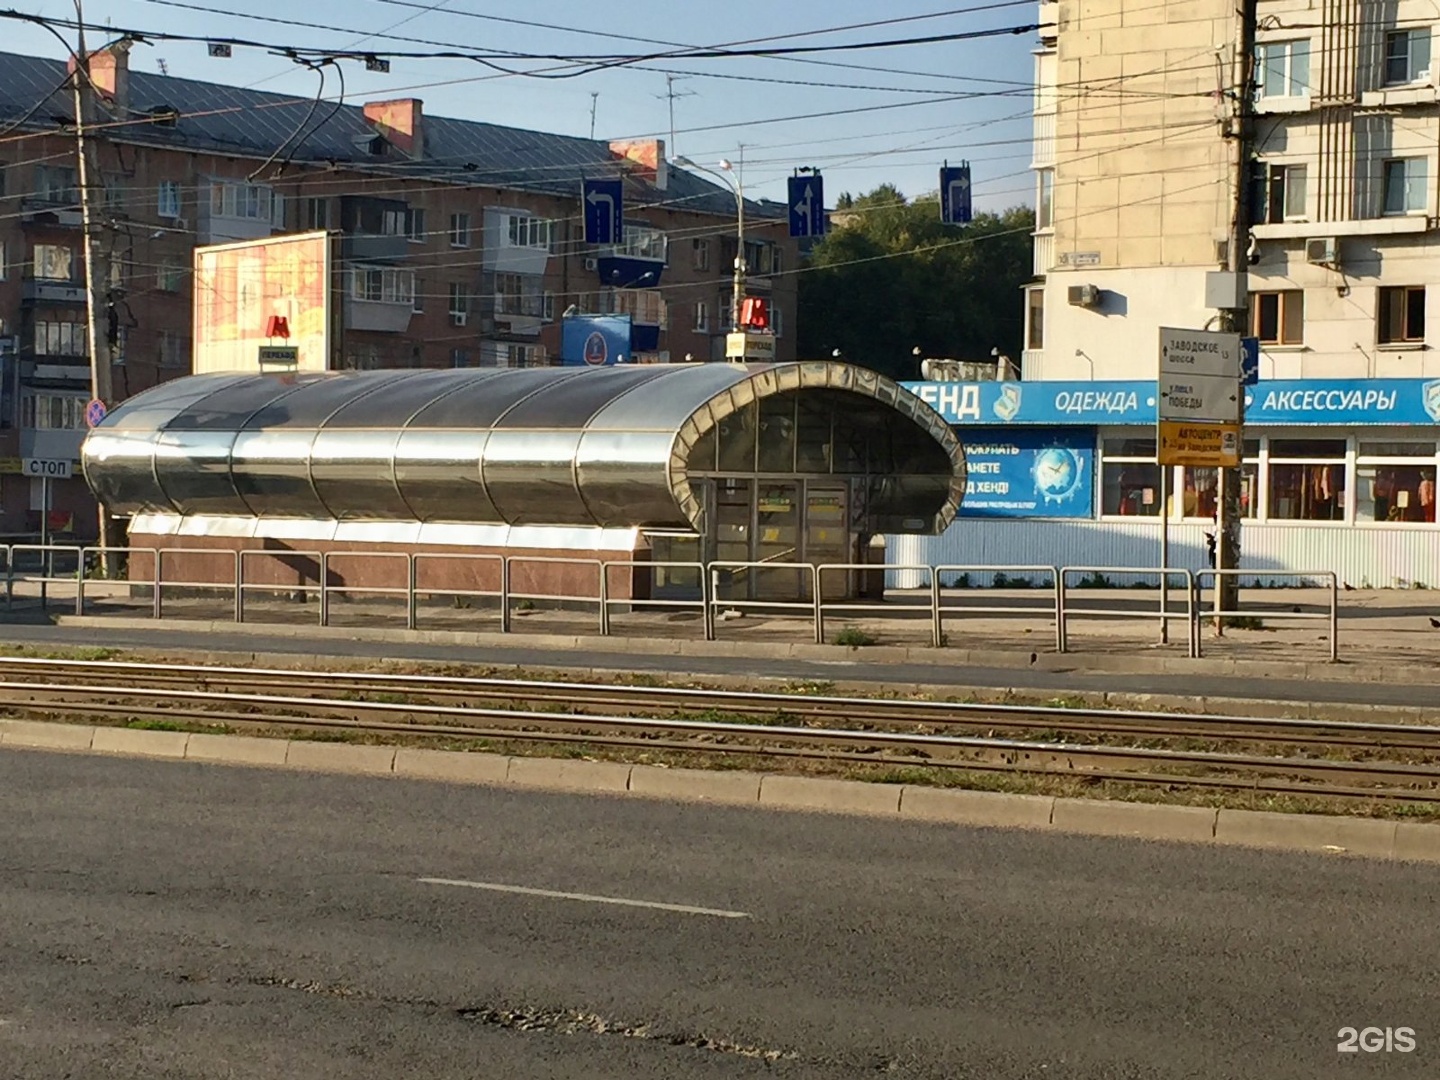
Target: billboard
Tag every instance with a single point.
(1029, 472)
(595, 340)
(243, 289)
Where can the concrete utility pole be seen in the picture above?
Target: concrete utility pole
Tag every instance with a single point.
(1242, 137)
(96, 262)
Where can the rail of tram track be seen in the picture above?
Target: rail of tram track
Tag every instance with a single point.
(1291, 756)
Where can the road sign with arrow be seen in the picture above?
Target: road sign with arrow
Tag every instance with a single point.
(604, 211)
(807, 205)
(955, 194)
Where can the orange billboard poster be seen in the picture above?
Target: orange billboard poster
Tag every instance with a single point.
(271, 295)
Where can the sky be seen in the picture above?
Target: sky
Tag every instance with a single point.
(862, 117)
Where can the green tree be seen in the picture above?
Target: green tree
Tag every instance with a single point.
(891, 277)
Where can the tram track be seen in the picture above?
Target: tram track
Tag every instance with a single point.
(1314, 757)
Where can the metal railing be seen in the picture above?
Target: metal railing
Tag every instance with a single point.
(1162, 611)
(1331, 615)
(592, 587)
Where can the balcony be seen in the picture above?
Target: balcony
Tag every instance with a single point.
(1044, 248)
(1042, 152)
(384, 316)
(49, 291)
(51, 213)
(519, 315)
(373, 247)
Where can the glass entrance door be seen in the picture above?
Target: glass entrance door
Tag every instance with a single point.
(827, 535)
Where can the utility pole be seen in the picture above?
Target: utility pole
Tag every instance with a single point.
(1242, 137)
(97, 264)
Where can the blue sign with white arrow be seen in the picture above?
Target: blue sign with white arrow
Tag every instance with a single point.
(1249, 361)
(807, 205)
(955, 195)
(604, 211)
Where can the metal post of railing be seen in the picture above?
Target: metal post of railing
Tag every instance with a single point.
(604, 600)
(1196, 604)
(239, 586)
(937, 624)
(1192, 624)
(411, 620)
(80, 583)
(158, 585)
(1334, 618)
(707, 599)
(505, 595)
(9, 575)
(819, 576)
(325, 588)
(1062, 640)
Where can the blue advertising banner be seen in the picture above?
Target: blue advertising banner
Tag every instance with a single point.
(1273, 402)
(594, 340)
(1029, 472)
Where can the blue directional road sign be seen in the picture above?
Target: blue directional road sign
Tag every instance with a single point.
(1249, 361)
(807, 205)
(955, 194)
(604, 211)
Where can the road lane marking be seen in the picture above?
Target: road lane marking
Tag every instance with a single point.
(490, 886)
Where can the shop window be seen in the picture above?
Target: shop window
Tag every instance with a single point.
(1307, 479)
(1200, 487)
(1129, 478)
(1395, 481)
(1400, 314)
(1278, 318)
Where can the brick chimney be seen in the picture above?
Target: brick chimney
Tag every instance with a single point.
(110, 72)
(649, 155)
(401, 122)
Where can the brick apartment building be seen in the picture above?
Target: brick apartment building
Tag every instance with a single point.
(460, 243)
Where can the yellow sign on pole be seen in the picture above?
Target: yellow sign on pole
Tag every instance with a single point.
(1186, 442)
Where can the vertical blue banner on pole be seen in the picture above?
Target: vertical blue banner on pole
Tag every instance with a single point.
(604, 211)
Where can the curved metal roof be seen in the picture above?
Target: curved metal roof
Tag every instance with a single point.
(607, 447)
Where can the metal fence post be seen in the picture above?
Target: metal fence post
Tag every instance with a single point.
(1192, 632)
(1334, 618)
(9, 576)
(239, 586)
(604, 600)
(80, 584)
(504, 594)
(325, 588)
(410, 578)
(157, 585)
(707, 600)
(817, 575)
(937, 623)
(1197, 588)
(1062, 640)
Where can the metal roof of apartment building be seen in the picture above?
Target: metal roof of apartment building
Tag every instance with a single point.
(219, 119)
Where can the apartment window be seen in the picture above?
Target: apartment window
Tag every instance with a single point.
(168, 276)
(459, 356)
(60, 339)
(1283, 69)
(1400, 315)
(1407, 56)
(643, 242)
(56, 184)
(459, 230)
(392, 223)
(317, 214)
(1129, 478)
(417, 298)
(382, 285)
(1405, 191)
(1045, 199)
(1035, 319)
(531, 232)
(725, 311)
(415, 225)
(1395, 481)
(1278, 318)
(4, 263)
(700, 254)
(547, 307)
(167, 199)
(52, 412)
(1279, 193)
(777, 321)
(236, 200)
(762, 258)
(459, 304)
(702, 317)
(1199, 487)
(53, 262)
(174, 349)
(1307, 479)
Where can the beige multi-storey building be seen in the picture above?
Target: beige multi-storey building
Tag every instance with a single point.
(1138, 174)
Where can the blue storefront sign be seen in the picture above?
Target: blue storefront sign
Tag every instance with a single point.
(1029, 472)
(1273, 402)
(595, 340)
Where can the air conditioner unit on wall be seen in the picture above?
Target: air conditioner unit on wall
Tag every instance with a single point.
(1087, 296)
(592, 264)
(1324, 250)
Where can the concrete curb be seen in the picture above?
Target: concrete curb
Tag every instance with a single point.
(909, 654)
(1370, 837)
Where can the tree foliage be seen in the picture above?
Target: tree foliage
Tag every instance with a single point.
(890, 276)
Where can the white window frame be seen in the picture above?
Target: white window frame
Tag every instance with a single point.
(47, 259)
(702, 317)
(700, 254)
(1293, 85)
(44, 410)
(1414, 178)
(644, 242)
(382, 285)
(459, 230)
(1417, 56)
(167, 199)
(459, 304)
(528, 231)
(415, 225)
(1102, 459)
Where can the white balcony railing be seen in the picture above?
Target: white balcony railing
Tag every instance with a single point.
(1043, 149)
(1044, 248)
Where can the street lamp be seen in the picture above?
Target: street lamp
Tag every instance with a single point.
(738, 187)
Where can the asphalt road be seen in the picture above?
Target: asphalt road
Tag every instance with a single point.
(335, 644)
(177, 920)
